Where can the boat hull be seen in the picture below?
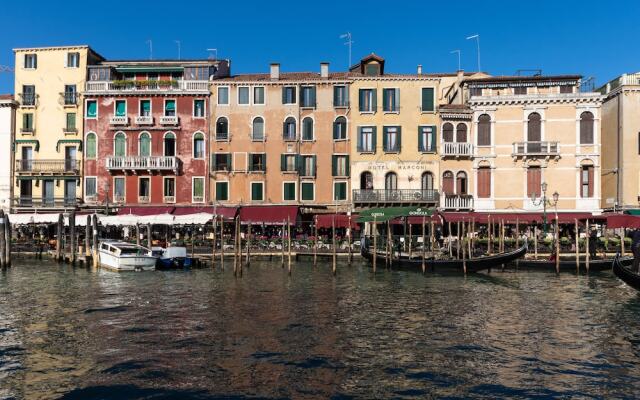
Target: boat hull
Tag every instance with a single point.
(127, 263)
(625, 274)
(570, 265)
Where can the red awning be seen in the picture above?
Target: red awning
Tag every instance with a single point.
(512, 218)
(622, 221)
(458, 217)
(142, 211)
(569, 218)
(417, 220)
(269, 215)
(226, 212)
(341, 221)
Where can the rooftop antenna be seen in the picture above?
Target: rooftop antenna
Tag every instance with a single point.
(457, 51)
(349, 43)
(477, 37)
(178, 43)
(213, 54)
(150, 49)
(6, 68)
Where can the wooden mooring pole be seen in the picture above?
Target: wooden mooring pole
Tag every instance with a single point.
(87, 240)
(213, 246)
(577, 241)
(72, 238)
(333, 246)
(374, 230)
(489, 231)
(7, 238)
(424, 244)
(138, 234)
(410, 240)
(222, 242)
(3, 261)
(557, 247)
(248, 245)
(149, 237)
(283, 241)
(60, 234)
(349, 234)
(315, 241)
(586, 247)
(289, 244)
(94, 238)
(236, 245)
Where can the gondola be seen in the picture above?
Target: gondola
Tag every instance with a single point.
(625, 273)
(448, 265)
(568, 265)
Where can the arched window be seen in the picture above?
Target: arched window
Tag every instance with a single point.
(120, 145)
(427, 181)
(144, 145)
(484, 130)
(289, 129)
(447, 132)
(307, 128)
(461, 133)
(586, 128)
(257, 130)
(447, 183)
(340, 128)
(222, 128)
(391, 181)
(198, 145)
(169, 144)
(461, 183)
(91, 145)
(366, 181)
(534, 135)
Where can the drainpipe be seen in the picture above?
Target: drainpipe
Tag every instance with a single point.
(619, 190)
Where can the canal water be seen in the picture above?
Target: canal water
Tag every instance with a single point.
(76, 333)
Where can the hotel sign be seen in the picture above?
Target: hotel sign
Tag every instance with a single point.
(406, 165)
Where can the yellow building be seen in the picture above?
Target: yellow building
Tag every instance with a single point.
(48, 145)
(530, 134)
(395, 138)
(621, 147)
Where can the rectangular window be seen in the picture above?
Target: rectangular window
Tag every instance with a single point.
(308, 96)
(170, 108)
(27, 122)
(243, 95)
(145, 108)
(70, 95)
(222, 191)
(221, 162)
(73, 60)
(308, 165)
(289, 191)
(118, 189)
(428, 100)
(258, 95)
(339, 191)
(391, 100)
(257, 191)
(339, 165)
(427, 139)
(474, 91)
(197, 191)
(28, 95)
(367, 98)
(367, 139)
(144, 189)
(340, 96)
(31, 61)
(307, 191)
(152, 76)
(586, 181)
(71, 122)
(484, 182)
(391, 139)
(257, 162)
(198, 146)
(289, 162)
(198, 108)
(169, 190)
(90, 186)
(223, 95)
(534, 181)
(121, 108)
(566, 89)
(520, 90)
(289, 95)
(92, 109)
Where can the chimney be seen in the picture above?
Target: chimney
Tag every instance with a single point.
(324, 70)
(460, 74)
(275, 71)
(419, 69)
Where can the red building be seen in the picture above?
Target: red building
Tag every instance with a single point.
(146, 131)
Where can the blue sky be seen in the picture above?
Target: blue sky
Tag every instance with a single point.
(592, 38)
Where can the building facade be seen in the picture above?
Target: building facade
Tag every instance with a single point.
(281, 138)
(621, 147)
(7, 133)
(48, 144)
(527, 131)
(146, 132)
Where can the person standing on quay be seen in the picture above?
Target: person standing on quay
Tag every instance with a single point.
(593, 237)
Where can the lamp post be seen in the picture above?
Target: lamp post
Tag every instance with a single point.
(544, 202)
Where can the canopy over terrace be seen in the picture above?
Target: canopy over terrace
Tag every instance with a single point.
(388, 213)
(615, 221)
(340, 221)
(269, 215)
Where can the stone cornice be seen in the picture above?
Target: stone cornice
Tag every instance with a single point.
(558, 98)
(452, 115)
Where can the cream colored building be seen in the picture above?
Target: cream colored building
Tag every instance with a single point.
(7, 116)
(527, 131)
(621, 144)
(48, 144)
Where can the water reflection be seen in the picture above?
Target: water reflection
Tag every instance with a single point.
(202, 334)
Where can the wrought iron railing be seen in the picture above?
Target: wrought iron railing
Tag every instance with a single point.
(48, 166)
(536, 149)
(45, 202)
(141, 162)
(395, 196)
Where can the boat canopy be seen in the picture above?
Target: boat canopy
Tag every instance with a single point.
(385, 214)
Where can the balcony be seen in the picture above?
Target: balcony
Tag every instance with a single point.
(178, 86)
(28, 99)
(395, 196)
(45, 202)
(27, 130)
(155, 163)
(198, 199)
(118, 199)
(91, 199)
(144, 199)
(69, 98)
(536, 149)
(68, 130)
(44, 167)
(144, 120)
(169, 120)
(457, 202)
(452, 149)
(116, 120)
(169, 199)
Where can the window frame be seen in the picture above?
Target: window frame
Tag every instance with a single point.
(114, 187)
(204, 190)
(295, 94)
(69, 54)
(345, 103)
(295, 129)
(346, 128)
(264, 95)
(140, 107)
(31, 56)
(346, 190)
(248, 88)
(373, 103)
(215, 187)
(372, 143)
(115, 108)
(226, 138)
(218, 95)
(262, 191)
(253, 121)
(433, 99)
(86, 108)
(430, 147)
(398, 149)
(140, 178)
(164, 186)
(204, 109)
(295, 190)
(86, 147)
(115, 136)
(85, 191)
(396, 100)
(313, 91)
(175, 110)
(313, 129)
(313, 185)
(204, 145)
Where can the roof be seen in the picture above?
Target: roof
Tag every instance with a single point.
(69, 47)
(515, 78)
(286, 76)
(456, 107)
(163, 61)
(6, 97)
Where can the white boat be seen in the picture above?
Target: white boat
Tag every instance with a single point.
(171, 257)
(123, 256)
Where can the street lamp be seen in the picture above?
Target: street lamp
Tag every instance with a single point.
(544, 202)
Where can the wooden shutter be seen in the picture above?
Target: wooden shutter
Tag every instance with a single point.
(374, 138)
(461, 133)
(359, 139)
(447, 132)
(447, 183)
(334, 165)
(533, 131)
(399, 140)
(385, 100)
(283, 162)
(397, 100)
(586, 128)
(422, 132)
(385, 142)
(361, 100)
(484, 130)
(313, 96)
(427, 99)
(284, 95)
(433, 139)
(484, 182)
(374, 100)
(347, 169)
(533, 182)
(590, 181)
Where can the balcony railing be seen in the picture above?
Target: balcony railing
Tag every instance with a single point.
(48, 166)
(28, 99)
(117, 120)
(118, 198)
(169, 120)
(198, 199)
(529, 149)
(91, 199)
(69, 129)
(142, 163)
(395, 196)
(144, 199)
(144, 120)
(147, 86)
(69, 99)
(45, 202)
(457, 149)
(169, 199)
(457, 202)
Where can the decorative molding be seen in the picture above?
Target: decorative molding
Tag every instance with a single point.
(557, 98)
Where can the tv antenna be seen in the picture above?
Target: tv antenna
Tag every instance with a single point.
(477, 38)
(349, 43)
(178, 43)
(6, 68)
(213, 54)
(150, 49)
(458, 52)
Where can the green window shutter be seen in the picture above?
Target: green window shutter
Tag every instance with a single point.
(145, 145)
(264, 162)
(283, 162)
(284, 95)
(198, 187)
(307, 191)
(335, 98)
(315, 165)
(297, 165)
(433, 139)
(399, 138)
(384, 138)
(421, 131)
(374, 141)
(334, 165)
(120, 146)
(313, 96)
(347, 166)
(397, 100)
(213, 162)
(289, 191)
(121, 108)
(385, 99)
(375, 100)
(361, 100)
(146, 107)
(335, 130)
(229, 165)
(359, 139)
(92, 109)
(222, 190)
(250, 156)
(256, 191)
(427, 99)
(91, 146)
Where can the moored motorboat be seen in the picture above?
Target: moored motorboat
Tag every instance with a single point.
(625, 273)
(569, 265)
(171, 257)
(123, 256)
